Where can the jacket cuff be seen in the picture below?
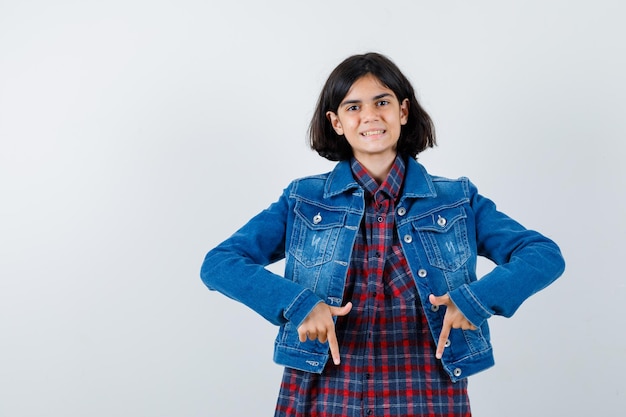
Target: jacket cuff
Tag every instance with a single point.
(301, 306)
(470, 306)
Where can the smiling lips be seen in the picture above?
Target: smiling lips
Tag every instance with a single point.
(373, 132)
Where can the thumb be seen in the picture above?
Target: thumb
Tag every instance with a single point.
(439, 301)
(341, 311)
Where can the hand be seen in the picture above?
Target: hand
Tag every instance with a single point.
(319, 325)
(453, 319)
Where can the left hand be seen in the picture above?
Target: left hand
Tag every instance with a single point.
(453, 319)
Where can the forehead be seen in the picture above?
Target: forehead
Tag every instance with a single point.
(367, 87)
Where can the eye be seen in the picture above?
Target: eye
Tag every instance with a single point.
(352, 108)
(382, 103)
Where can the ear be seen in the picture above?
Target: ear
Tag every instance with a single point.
(404, 111)
(334, 122)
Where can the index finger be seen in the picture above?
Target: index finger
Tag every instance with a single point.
(334, 346)
(443, 338)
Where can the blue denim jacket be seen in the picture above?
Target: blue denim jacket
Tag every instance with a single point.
(443, 225)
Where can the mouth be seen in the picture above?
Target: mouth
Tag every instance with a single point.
(373, 133)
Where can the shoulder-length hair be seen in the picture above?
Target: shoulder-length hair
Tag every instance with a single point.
(415, 136)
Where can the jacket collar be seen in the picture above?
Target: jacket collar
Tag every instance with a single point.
(417, 182)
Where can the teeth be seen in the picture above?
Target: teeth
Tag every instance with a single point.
(373, 132)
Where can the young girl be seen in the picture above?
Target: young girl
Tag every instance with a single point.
(380, 272)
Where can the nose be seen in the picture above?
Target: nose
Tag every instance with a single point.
(369, 113)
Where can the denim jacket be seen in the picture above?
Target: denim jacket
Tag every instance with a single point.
(443, 225)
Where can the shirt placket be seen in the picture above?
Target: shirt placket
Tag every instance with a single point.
(377, 238)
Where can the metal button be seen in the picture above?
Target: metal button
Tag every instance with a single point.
(317, 218)
(380, 219)
(422, 273)
(447, 343)
(408, 238)
(401, 211)
(441, 221)
(434, 308)
(457, 372)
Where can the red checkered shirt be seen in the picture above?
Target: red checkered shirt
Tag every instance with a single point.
(388, 365)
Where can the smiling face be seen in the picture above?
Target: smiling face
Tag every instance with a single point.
(371, 118)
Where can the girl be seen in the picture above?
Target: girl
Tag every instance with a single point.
(380, 272)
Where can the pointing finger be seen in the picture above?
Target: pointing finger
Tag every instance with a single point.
(334, 346)
(332, 336)
(443, 338)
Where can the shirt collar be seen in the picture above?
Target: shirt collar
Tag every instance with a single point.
(392, 184)
(417, 183)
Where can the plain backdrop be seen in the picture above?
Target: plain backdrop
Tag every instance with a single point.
(136, 135)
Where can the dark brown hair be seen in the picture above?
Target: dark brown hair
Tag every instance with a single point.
(415, 136)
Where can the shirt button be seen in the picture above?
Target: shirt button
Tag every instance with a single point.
(401, 211)
(380, 219)
(422, 273)
(457, 372)
(408, 238)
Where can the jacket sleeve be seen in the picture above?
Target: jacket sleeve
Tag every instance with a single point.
(236, 268)
(526, 262)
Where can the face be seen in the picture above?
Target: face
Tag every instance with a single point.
(370, 117)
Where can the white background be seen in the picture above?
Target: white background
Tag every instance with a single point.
(136, 135)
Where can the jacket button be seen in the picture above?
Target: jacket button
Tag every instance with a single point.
(408, 238)
(401, 211)
(448, 345)
(317, 218)
(457, 372)
(441, 221)
(422, 273)
(434, 308)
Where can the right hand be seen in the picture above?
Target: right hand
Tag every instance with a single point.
(319, 324)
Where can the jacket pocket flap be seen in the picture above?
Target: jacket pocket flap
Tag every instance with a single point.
(318, 217)
(441, 220)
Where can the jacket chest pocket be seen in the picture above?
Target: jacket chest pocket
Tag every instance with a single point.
(315, 232)
(444, 237)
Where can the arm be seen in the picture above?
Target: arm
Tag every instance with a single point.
(526, 263)
(236, 268)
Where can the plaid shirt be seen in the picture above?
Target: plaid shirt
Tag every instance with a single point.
(388, 366)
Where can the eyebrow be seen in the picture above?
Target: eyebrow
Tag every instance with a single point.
(378, 97)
